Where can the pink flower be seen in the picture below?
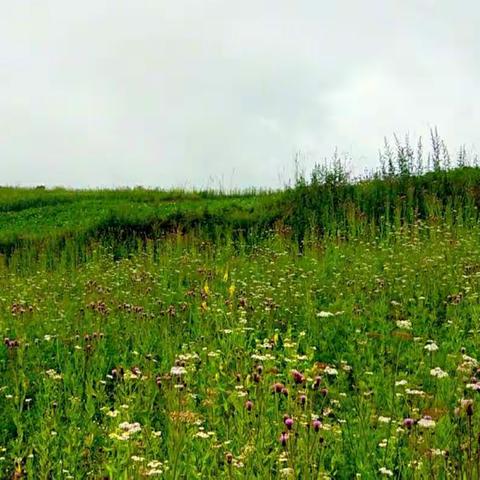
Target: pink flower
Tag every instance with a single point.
(289, 422)
(317, 424)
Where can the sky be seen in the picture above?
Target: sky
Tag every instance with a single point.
(222, 94)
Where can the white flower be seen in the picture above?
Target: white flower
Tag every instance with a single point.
(384, 419)
(178, 371)
(53, 374)
(413, 391)
(431, 347)
(426, 422)
(438, 372)
(325, 314)
(400, 383)
(331, 371)
(386, 472)
(406, 324)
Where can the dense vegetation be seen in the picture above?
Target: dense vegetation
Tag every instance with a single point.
(328, 330)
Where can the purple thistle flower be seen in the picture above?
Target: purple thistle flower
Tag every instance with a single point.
(289, 422)
(408, 422)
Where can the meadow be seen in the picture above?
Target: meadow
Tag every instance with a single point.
(328, 330)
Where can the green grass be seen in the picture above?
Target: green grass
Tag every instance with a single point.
(288, 334)
(237, 319)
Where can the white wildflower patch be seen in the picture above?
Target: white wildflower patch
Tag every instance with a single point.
(426, 422)
(385, 472)
(331, 371)
(415, 392)
(53, 374)
(178, 371)
(383, 419)
(431, 347)
(438, 373)
(126, 430)
(405, 324)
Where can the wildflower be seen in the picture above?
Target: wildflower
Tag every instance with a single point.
(53, 374)
(431, 346)
(382, 419)
(438, 372)
(385, 471)
(289, 422)
(426, 422)
(317, 425)
(126, 430)
(408, 422)
(331, 371)
(178, 371)
(298, 377)
(406, 324)
(130, 427)
(278, 387)
(324, 314)
(249, 405)
(287, 472)
(302, 400)
(467, 405)
(419, 393)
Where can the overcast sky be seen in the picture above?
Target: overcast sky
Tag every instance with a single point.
(206, 93)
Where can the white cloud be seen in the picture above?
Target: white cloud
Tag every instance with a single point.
(168, 93)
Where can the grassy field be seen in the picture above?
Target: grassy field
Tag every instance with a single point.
(324, 331)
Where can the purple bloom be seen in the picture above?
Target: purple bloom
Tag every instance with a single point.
(317, 424)
(298, 377)
(408, 422)
(289, 422)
